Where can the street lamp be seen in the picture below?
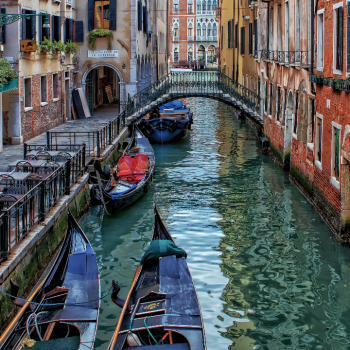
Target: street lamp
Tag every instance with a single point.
(10, 18)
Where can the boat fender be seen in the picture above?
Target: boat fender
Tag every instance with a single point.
(133, 340)
(172, 127)
(161, 126)
(95, 194)
(150, 129)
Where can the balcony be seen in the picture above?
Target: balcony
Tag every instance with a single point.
(293, 58)
(176, 38)
(176, 11)
(190, 38)
(207, 38)
(69, 3)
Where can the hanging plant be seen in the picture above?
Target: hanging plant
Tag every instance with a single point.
(45, 46)
(58, 46)
(7, 73)
(100, 33)
(71, 47)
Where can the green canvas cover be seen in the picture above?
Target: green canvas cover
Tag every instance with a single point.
(161, 248)
(70, 343)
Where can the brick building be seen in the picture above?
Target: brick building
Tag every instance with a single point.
(194, 31)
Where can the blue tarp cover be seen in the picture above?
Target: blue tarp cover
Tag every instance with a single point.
(172, 105)
(161, 248)
(117, 195)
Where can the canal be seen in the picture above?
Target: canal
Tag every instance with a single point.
(268, 272)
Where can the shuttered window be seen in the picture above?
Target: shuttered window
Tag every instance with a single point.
(79, 31)
(102, 14)
(68, 30)
(255, 37)
(278, 104)
(295, 128)
(265, 96)
(319, 139)
(339, 38)
(3, 29)
(336, 155)
(139, 15)
(236, 35)
(28, 26)
(250, 28)
(242, 40)
(55, 28)
(230, 34)
(145, 20)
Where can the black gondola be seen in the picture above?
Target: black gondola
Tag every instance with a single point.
(127, 186)
(67, 301)
(162, 309)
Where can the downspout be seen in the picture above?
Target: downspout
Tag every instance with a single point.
(238, 28)
(234, 41)
(312, 35)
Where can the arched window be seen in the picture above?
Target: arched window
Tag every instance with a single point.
(176, 54)
(209, 6)
(209, 30)
(190, 6)
(215, 30)
(199, 30)
(204, 30)
(190, 31)
(201, 53)
(199, 7)
(214, 5)
(176, 6)
(190, 54)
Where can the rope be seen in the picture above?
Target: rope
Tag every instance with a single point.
(144, 321)
(58, 304)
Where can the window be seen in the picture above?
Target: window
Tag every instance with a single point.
(55, 28)
(43, 32)
(271, 99)
(3, 28)
(27, 92)
(250, 38)
(270, 38)
(176, 54)
(28, 26)
(278, 104)
(255, 38)
(190, 54)
(43, 89)
(265, 97)
(236, 36)
(139, 15)
(102, 14)
(242, 40)
(199, 29)
(176, 31)
(338, 37)
(286, 26)
(230, 34)
(176, 8)
(209, 30)
(215, 31)
(55, 86)
(348, 42)
(311, 121)
(297, 30)
(204, 30)
(284, 104)
(295, 127)
(204, 7)
(190, 6)
(318, 149)
(68, 30)
(199, 7)
(320, 39)
(336, 152)
(190, 31)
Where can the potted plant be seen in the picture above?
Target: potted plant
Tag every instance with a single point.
(100, 33)
(337, 84)
(45, 46)
(327, 81)
(58, 46)
(71, 47)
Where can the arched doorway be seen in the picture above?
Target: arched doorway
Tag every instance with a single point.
(211, 55)
(288, 130)
(102, 83)
(201, 53)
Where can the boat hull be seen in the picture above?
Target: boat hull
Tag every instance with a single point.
(164, 130)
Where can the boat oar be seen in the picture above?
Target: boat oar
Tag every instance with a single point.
(20, 313)
(117, 329)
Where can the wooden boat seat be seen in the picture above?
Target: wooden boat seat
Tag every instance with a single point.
(178, 346)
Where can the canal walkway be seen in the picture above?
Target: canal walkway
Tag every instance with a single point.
(101, 118)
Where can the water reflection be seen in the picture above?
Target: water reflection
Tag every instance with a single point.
(267, 270)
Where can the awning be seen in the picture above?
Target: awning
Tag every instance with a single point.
(12, 85)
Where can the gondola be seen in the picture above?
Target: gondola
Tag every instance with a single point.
(67, 301)
(161, 310)
(132, 177)
(171, 122)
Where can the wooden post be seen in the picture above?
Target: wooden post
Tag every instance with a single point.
(68, 173)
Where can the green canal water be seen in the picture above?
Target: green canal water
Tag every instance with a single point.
(268, 272)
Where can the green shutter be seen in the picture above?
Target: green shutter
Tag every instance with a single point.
(336, 153)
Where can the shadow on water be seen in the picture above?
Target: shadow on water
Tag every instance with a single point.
(268, 272)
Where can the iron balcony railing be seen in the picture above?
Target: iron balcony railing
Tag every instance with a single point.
(286, 57)
(176, 38)
(190, 38)
(19, 213)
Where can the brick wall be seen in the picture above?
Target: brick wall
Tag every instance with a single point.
(41, 118)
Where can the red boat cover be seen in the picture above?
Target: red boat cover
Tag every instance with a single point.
(132, 169)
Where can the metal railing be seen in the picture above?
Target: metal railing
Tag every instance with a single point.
(19, 213)
(176, 38)
(287, 57)
(95, 141)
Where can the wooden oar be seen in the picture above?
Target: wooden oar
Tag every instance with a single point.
(117, 329)
(20, 313)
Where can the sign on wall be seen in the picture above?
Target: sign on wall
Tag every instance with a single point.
(103, 53)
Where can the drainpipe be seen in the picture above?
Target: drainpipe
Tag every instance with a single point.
(312, 35)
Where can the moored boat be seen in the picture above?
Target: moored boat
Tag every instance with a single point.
(132, 177)
(168, 123)
(64, 308)
(161, 310)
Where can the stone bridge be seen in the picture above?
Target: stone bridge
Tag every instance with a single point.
(174, 86)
